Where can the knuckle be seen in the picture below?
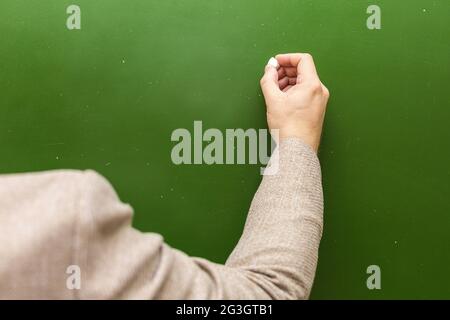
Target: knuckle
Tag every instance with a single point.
(315, 86)
(326, 92)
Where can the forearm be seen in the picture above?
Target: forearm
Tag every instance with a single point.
(275, 258)
(282, 234)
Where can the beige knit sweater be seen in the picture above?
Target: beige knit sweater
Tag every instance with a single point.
(52, 220)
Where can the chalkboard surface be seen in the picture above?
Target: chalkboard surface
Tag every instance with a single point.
(108, 96)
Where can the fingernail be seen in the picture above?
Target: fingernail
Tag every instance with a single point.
(273, 63)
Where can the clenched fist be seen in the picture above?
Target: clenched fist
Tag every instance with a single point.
(295, 98)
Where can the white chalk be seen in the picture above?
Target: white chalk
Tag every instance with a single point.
(274, 63)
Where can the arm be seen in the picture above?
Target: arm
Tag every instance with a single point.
(279, 246)
(53, 220)
(284, 226)
(277, 254)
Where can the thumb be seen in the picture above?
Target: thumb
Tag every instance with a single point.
(269, 82)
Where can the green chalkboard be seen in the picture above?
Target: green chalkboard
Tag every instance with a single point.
(109, 95)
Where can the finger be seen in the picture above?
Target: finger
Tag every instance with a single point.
(269, 82)
(291, 71)
(287, 88)
(288, 59)
(274, 63)
(306, 67)
(283, 83)
(287, 71)
(281, 73)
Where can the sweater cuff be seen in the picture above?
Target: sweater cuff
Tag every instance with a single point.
(291, 157)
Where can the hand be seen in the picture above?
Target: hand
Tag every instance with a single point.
(295, 98)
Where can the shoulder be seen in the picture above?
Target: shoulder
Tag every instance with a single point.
(48, 219)
(56, 191)
(58, 181)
